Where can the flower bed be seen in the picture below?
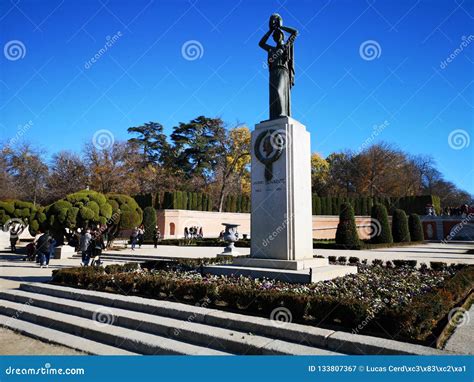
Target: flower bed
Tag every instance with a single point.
(403, 302)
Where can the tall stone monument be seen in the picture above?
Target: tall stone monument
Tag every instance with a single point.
(281, 220)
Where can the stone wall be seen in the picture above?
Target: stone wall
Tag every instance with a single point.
(172, 223)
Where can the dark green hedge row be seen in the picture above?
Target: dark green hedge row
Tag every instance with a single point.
(197, 201)
(237, 203)
(414, 322)
(331, 205)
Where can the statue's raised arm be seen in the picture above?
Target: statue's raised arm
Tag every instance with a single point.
(280, 65)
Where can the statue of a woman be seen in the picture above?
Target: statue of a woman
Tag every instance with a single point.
(281, 66)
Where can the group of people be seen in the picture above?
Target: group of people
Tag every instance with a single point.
(41, 248)
(91, 243)
(193, 232)
(138, 236)
(463, 210)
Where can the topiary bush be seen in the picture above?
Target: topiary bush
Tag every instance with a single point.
(400, 231)
(29, 213)
(149, 221)
(346, 233)
(382, 232)
(126, 214)
(416, 228)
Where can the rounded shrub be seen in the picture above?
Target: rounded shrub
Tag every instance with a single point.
(400, 231)
(31, 214)
(346, 233)
(149, 221)
(126, 213)
(416, 228)
(382, 232)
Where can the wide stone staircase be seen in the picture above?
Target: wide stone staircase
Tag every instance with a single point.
(105, 323)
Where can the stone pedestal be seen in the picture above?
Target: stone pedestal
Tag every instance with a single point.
(63, 251)
(281, 220)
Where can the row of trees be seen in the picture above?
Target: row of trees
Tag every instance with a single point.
(204, 155)
(331, 205)
(199, 156)
(403, 229)
(383, 170)
(113, 212)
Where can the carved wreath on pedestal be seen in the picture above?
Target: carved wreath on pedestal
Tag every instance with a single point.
(268, 148)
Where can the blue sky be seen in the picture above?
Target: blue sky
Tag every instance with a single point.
(340, 94)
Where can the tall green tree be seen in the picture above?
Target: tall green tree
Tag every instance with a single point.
(197, 147)
(151, 141)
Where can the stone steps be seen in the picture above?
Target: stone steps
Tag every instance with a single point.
(60, 338)
(187, 331)
(132, 324)
(229, 332)
(131, 340)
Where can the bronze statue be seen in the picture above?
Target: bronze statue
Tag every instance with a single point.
(281, 66)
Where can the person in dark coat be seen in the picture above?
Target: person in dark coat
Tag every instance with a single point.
(156, 236)
(43, 248)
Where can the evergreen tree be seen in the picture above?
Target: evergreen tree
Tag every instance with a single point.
(346, 233)
(382, 231)
(416, 228)
(149, 222)
(400, 231)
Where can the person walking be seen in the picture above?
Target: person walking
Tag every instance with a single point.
(141, 235)
(43, 249)
(14, 233)
(50, 253)
(156, 236)
(134, 238)
(84, 243)
(97, 245)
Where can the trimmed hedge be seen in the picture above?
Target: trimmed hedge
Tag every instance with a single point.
(346, 233)
(416, 228)
(149, 222)
(382, 232)
(330, 205)
(400, 231)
